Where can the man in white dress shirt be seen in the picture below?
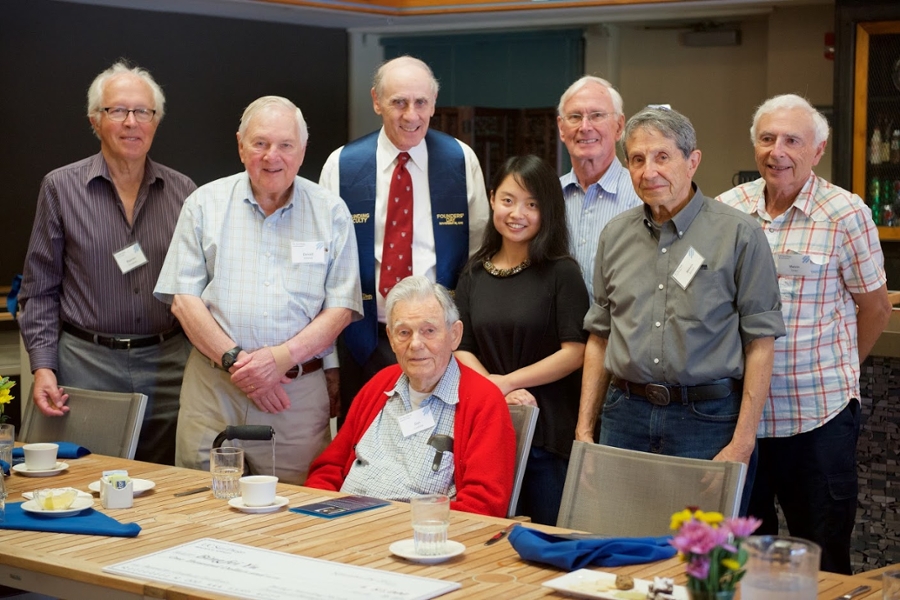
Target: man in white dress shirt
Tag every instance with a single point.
(447, 199)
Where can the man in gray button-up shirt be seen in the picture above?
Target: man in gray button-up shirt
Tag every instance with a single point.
(686, 300)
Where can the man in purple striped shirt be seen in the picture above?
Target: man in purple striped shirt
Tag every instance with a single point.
(100, 236)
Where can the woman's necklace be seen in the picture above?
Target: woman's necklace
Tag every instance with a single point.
(490, 268)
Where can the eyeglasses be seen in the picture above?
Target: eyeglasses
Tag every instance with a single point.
(119, 114)
(594, 118)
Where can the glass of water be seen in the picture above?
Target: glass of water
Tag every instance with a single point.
(7, 441)
(430, 520)
(227, 468)
(780, 568)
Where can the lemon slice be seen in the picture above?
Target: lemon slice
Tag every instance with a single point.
(58, 499)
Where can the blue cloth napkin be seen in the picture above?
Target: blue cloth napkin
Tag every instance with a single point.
(66, 450)
(578, 554)
(87, 522)
(4, 467)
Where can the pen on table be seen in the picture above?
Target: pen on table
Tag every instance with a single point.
(500, 534)
(205, 488)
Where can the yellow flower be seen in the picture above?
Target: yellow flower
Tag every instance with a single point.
(710, 518)
(680, 518)
(5, 397)
(731, 564)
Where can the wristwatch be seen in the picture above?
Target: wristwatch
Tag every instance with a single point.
(230, 357)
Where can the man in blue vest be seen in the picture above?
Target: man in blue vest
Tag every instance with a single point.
(447, 201)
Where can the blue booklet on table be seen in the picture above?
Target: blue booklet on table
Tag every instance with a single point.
(338, 507)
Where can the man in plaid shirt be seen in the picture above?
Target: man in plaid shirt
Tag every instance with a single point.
(835, 304)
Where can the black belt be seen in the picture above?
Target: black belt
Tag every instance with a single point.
(310, 366)
(117, 343)
(661, 394)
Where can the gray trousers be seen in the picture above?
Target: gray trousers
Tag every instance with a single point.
(210, 402)
(155, 371)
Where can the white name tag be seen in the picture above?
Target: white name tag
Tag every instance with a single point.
(130, 258)
(689, 266)
(308, 252)
(416, 421)
(793, 264)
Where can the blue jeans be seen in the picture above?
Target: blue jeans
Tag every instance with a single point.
(814, 477)
(692, 430)
(542, 486)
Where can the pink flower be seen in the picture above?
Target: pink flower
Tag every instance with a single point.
(742, 527)
(698, 567)
(696, 537)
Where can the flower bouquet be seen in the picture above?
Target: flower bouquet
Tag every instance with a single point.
(711, 547)
(5, 397)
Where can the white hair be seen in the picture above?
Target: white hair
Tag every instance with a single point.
(267, 102)
(572, 89)
(419, 287)
(121, 67)
(788, 102)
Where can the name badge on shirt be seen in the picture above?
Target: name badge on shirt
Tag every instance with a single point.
(416, 421)
(689, 266)
(793, 264)
(308, 252)
(130, 258)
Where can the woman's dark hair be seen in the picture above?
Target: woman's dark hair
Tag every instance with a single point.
(542, 182)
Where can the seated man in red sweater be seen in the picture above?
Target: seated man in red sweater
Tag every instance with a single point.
(428, 425)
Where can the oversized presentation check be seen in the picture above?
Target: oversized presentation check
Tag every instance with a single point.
(258, 574)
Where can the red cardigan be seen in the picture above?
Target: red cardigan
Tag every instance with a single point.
(484, 443)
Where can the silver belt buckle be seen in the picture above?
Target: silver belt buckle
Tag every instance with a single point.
(657, 394)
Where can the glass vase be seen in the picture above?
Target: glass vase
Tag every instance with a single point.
(707, 595)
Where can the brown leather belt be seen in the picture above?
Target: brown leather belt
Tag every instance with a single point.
(310, 366)
(661, 394)
(118, 343)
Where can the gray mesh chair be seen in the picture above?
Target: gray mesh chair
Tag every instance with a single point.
(103, 422)
(524, 419)
(616, 492)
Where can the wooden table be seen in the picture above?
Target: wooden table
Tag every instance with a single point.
(69, 566)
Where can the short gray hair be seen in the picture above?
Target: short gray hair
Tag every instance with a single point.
(267, 102)
(419, 287)
(121, 67)
(669, 123)
(378, 79)
(787, 102)
(573, 89)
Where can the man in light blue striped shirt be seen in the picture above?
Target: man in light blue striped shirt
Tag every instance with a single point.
(598, 187)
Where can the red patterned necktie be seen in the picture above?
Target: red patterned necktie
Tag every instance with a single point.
(396, 254)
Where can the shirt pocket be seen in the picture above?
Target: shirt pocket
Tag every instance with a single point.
(808, 300)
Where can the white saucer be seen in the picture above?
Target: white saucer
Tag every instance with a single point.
(29, 495)
(138, 486)
(238, 503)
(407, 549)
(79, 505)
(22, 469)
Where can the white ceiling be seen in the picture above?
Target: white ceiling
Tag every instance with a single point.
(460, 22)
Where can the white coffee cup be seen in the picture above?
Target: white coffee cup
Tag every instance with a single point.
(258, 490)
(40, 457)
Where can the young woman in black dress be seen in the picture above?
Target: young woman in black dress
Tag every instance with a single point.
(522, 302)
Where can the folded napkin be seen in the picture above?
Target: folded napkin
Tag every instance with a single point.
(66, 450)
(578, 554)
(4, 467)
(87, 522)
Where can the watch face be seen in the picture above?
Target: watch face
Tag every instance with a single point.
(230, 357)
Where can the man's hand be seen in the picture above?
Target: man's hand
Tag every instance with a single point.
(48, 396)
(732, 453)
(333, 385)
(256, 374)
(521, 396)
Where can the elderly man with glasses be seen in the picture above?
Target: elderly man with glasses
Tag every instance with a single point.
(101, 232)
(598, 187)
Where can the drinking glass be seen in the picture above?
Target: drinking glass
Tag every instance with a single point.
(430, 520)
(227, 468)
(7, 441)
(890, 585)
(2, 499)
(780, 568)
